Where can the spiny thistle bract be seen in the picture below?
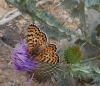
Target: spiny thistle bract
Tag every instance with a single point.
(72, 54)
(44, 72)
(40, 72)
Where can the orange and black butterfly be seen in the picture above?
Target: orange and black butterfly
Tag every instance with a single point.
(36, 40)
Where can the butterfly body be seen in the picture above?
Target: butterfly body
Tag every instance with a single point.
(38, 48)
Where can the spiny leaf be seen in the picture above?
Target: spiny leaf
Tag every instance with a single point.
(29, 7)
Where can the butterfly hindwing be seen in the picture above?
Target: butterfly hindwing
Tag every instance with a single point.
(48, 54)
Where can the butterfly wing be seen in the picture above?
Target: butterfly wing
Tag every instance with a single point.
(35, 38)
(48, 54)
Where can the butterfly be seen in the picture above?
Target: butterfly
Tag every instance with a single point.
(37, 46)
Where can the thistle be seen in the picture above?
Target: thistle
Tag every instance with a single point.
(38, 71)
(72, 54)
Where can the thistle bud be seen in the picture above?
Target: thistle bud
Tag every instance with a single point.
(72, 54)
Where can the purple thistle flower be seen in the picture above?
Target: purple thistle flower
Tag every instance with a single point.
(22, 60)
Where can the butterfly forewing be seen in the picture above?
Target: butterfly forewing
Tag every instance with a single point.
(35, 38)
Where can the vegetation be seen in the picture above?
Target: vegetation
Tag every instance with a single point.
(76, 60)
